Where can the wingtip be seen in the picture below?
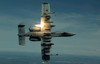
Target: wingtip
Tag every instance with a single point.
(44, 3)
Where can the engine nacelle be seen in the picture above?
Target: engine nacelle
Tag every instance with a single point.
(34, 29)
(31, 38)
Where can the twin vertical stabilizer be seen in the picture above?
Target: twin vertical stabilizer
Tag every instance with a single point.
(21, 33)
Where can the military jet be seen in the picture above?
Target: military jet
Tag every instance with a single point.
(42, 32)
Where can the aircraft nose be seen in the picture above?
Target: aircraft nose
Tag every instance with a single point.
(72, 34)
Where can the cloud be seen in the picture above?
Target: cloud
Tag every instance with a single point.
(96, 33)
(76, 21)
(98, 18)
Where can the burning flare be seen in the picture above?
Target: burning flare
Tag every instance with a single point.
(39, 25)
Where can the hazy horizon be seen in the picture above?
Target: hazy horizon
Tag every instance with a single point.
(34, 58)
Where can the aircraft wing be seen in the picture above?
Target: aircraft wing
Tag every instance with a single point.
(45, 47)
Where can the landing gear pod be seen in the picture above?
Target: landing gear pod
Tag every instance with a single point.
(21, 34)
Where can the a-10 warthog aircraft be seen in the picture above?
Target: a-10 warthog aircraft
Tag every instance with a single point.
(42, 32)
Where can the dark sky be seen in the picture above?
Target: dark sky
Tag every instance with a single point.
(79, 16)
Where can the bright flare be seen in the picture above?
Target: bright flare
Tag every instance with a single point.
(39, 25)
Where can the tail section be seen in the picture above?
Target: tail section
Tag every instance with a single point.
(21, 33)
